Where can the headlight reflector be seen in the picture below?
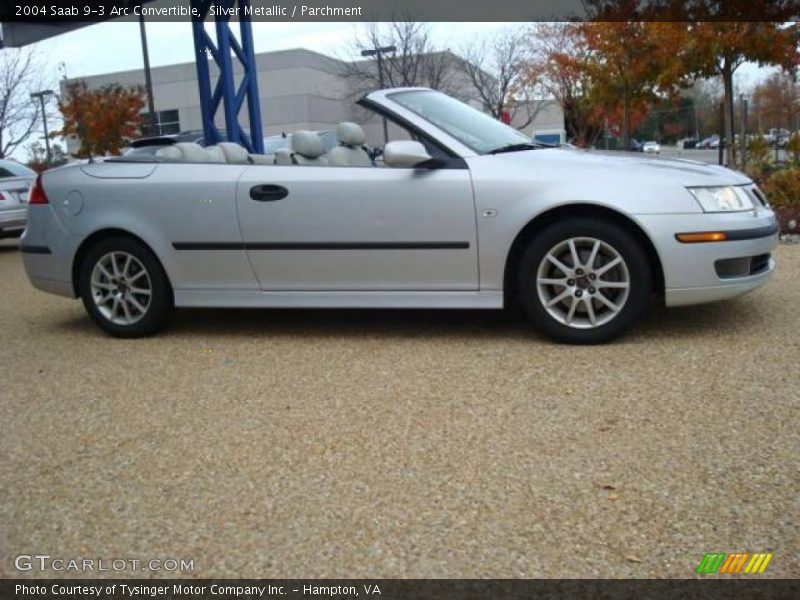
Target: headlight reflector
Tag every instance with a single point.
(722, 199)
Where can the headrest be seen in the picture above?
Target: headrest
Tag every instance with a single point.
(192, 152)
(234, 153)
(215, 154)
(170, 152)
(350, 134)
(307, 144)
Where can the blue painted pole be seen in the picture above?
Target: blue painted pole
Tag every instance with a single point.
(225, 91)
(203, 76)
(226, 79)
(251, 69)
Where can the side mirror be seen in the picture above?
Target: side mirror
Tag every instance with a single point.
(405, 153)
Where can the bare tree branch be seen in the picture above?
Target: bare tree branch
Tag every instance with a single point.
(21, 73)
(415, 62)
(499, 72)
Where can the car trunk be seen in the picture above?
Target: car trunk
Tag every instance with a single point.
(14, 192)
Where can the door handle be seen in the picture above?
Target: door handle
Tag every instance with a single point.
(268, 192)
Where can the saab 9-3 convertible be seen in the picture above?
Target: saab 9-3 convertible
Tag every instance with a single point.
(457, 210)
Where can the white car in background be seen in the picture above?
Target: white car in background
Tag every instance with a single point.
(15, 181)
(651, 148)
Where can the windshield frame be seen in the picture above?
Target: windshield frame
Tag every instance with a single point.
(458, 144)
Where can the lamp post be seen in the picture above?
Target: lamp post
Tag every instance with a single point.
(148, 82)
(41, 97)
(378, 53)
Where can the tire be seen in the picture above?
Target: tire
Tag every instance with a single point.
(573, 303)
(114, 278)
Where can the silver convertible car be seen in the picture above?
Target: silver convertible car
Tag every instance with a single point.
(457, 210)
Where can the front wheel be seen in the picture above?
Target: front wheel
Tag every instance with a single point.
(584, 281)
(124, 288)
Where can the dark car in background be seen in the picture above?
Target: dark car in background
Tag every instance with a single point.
(636, 146)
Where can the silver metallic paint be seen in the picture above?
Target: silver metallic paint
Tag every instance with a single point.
(169, 202)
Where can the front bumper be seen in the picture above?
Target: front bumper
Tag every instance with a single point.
(691, 270)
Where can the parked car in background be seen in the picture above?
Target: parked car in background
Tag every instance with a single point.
(15, 182)
(636, 146)
(688, 143)
(582, 241)
(777, 137)
(706, 143)
(651, 148)
(715, 142)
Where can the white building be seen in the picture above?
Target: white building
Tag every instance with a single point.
(298, 88)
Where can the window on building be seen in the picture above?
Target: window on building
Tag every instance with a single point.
(167, 122)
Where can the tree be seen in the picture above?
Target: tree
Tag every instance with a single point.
(631, 64)
(104, 120)
(557, 62)
(20, 74)
(498, 71)
(415, 62)
(777, 101)
(37, 156)
(706, 95)
(720, 48)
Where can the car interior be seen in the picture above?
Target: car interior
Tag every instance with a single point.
(306, 149)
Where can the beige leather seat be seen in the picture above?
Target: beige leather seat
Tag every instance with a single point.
(234, 153)
(351, 151)
(307, 149)
(169, 152)
(262, 159)
(192, 152)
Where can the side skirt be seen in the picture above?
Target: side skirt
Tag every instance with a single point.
(323, 299)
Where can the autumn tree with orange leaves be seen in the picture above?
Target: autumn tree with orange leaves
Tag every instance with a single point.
(777, 101)
(720, 48)
(557, 64)
(104, 119)
(631, 65)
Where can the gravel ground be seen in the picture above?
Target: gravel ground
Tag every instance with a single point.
(401, 444)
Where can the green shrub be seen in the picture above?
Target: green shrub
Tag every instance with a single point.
(783, 192)
(793, 146)
(758, 149)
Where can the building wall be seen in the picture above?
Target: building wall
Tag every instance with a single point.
(298, 89)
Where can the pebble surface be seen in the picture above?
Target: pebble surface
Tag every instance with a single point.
(454, 444)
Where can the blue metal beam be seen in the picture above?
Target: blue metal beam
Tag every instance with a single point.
(226, 92)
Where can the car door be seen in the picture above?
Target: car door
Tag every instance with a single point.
(359, 228)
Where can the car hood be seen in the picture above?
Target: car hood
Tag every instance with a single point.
(631, 166)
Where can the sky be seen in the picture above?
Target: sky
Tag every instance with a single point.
(110, 47)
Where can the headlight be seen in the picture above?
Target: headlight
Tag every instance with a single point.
(722, 199)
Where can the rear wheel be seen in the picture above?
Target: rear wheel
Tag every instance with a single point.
(584, 281)
(124, 289)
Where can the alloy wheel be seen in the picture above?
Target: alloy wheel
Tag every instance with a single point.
(583, 282)
(121, 288)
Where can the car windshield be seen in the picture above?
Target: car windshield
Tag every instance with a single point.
(10, 168)
(476, 130)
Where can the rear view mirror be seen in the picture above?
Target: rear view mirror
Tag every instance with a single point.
(405, 153)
